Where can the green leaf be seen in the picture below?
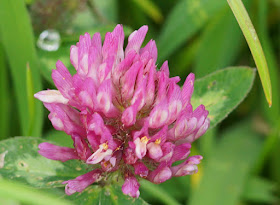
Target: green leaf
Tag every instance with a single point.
(260, 190)
(59, 137)
(23, 163)
(187, 17)
(24, 194)
(95, 195)
(227, 168)
(221, 91)
(251, 36)
(220, 44)
(18, 42)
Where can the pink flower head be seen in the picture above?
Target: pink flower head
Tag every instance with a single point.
(122, 113)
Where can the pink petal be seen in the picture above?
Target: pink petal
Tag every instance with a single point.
(81, 147)
(151, 48)
(160, 174)
(188, 167)
(51, 96)
(99, 155)
(104, 99)
(158, 116)
(167, 150)
(129, 156)
(118, 33)
(131, 187)
(140, 147)
(65, 118)
(181, 152)
(122, 67)
(187, 89)
(62, 79)
(155, 151)
(128, 81)
(55, 152)
(141, 169)
(81, 182)
(136, 39)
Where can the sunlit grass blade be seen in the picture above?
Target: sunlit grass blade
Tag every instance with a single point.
(250, 34)
(18, 42)
(150, 9)
(27, 195)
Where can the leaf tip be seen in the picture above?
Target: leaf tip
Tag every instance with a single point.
(269, 103)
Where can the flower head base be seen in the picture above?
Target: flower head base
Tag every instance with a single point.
(122, 113)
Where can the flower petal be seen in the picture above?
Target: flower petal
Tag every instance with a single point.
(131, 187)
(51, 96)
(81, 182)
(55, 152)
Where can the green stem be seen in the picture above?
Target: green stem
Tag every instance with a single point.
(250, 34)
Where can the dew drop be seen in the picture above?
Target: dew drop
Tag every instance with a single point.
(49, 40)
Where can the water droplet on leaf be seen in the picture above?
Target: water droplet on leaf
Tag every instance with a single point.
(49, 40)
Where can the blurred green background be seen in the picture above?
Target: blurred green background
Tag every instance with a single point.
(241, 155)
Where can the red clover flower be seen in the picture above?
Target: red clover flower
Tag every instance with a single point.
(122, 113)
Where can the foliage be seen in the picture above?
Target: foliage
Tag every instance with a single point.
(241, 150)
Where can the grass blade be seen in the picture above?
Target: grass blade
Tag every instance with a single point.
(30, 98)
(150, 9)
(18, 41)
(5, 97)
(250, 34)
